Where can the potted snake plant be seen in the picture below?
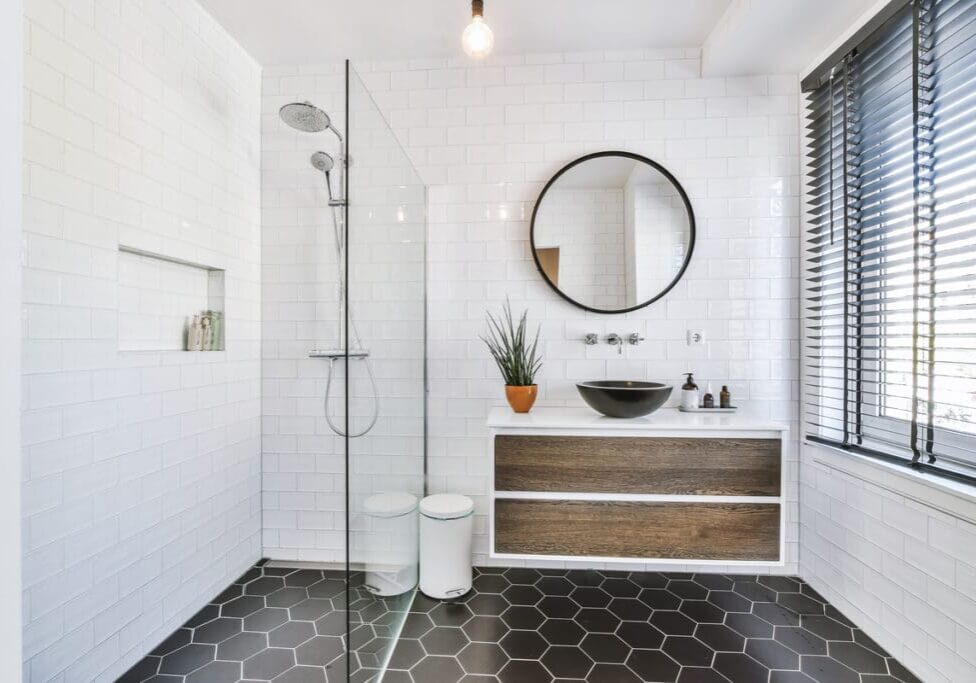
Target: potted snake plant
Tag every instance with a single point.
(515, 356)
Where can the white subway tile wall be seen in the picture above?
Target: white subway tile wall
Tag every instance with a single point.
(142, 493)
(485, 139)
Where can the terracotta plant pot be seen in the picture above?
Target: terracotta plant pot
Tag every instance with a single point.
(521, 398)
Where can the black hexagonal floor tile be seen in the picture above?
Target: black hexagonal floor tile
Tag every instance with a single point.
(621, 588)
(689, 590)
(203, 616)
(487, 604)
(217, 631)
(555, 585)
(585, 577)
(800, 640)
(319, 651)
(286, 597)
(332, 624)
(749, 625)
(406, 654)
(490, 583)
(558, 607)
(652, 665)
(305, 674)
(444, 640)
(269, 663)
(673, 623)
(521, 617)
(857, 657)
(780, 584)
(702, 612)
(827, 670)
(566, 661)
(522, 595)
(179, 638)
(188, 658)
(713, 582)
(522, 576)
(264, 585)
(658, 598)
(437, 669)
(242, 606)
(691, 674)
(292, 634)
(562, 632)
(521, 671)
(450, 614)
(640, 635)
(739, 667)
(588, 596)
(772, 654)
(826, 628)
(800, 604)
(605, 647)
(523, 644)
(730, 601)
(303, 578)
(776, 614)
(266, 619)
(216, 672)
(754, 591)
(649, 579)
(482, 658)
(597, 620)
(629, 609)
(485, 629)
(242, 646)
(233, 591)
(720, 637)
(688, 651)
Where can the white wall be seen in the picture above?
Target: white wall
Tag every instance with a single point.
(142, 470)
(486, 138)
(11, 245)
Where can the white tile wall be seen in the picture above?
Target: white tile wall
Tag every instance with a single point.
(486, 138)
(896, 556)
(141, 470)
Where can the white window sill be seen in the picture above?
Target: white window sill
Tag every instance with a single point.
(952, 497)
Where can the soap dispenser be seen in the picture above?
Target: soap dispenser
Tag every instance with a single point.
(689, 394)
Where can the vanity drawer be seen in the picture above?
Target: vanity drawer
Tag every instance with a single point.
(692, 531)
(654, 465)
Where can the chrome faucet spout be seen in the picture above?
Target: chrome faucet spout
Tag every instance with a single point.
(614, 339)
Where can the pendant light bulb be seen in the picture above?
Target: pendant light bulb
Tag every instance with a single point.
(477, 39)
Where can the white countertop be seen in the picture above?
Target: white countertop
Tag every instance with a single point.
(665, 419)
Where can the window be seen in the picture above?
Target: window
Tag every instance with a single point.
(890, 272)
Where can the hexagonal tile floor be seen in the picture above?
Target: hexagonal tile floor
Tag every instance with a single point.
(523, 626)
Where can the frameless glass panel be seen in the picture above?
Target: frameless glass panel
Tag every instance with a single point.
(385, 414)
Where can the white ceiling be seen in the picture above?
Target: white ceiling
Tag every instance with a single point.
(309, 31)
(737, 37)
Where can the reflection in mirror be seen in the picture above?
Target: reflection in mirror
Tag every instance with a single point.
(612, 232)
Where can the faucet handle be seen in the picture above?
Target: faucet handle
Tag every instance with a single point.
(591, 339)
(635, 338)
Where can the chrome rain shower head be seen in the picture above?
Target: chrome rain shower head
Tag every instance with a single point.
(305, 117)
(322, 162)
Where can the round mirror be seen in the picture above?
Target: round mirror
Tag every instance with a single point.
(612, 232)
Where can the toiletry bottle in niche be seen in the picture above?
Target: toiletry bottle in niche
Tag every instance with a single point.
(724, 398)
(194, 340)
(207, 335)
(689, 393)
(709, 400)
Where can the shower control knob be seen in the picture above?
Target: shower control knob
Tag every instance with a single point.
(635, 338)
(592, 339)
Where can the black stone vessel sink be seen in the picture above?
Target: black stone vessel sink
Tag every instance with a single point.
(616, 398)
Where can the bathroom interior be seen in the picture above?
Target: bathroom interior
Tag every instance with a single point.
(488, 342)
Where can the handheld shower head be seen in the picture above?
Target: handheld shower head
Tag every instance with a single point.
(322, 162)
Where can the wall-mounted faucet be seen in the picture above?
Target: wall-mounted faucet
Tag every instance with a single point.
(614, 340)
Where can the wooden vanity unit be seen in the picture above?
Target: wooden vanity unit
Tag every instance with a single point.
(672, 487)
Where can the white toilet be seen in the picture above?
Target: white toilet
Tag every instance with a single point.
(392, 549)
(446, 524)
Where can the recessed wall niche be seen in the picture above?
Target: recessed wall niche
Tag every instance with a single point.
(158, 297)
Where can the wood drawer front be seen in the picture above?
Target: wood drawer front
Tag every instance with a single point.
(676, 466)
(688, 531)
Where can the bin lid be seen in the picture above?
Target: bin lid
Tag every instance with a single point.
(446, 506)
(390, 504)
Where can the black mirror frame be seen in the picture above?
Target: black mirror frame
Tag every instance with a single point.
(636, 157)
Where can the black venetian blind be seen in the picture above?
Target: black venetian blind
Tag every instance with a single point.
(890, 288)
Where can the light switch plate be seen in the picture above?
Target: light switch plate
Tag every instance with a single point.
(696, 337)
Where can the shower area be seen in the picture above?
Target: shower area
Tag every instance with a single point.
(343, 401)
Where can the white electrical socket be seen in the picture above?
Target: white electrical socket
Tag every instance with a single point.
(696, 337)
